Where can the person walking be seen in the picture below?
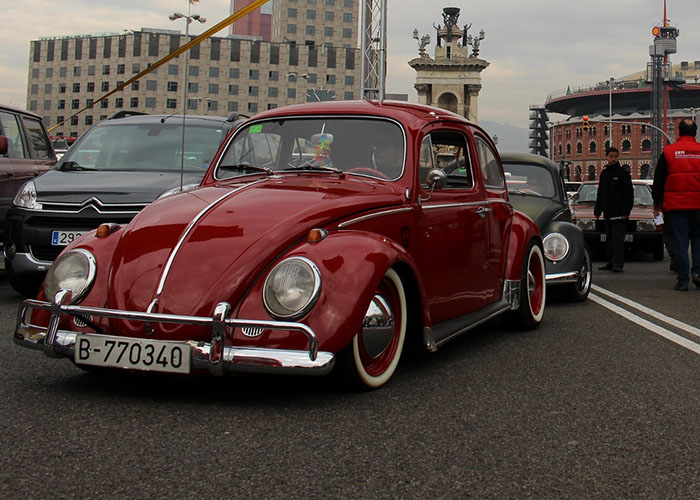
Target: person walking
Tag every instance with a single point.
(614, 201)
(676, 192)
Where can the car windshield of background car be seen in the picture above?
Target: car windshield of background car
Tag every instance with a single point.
(587, 194)
(144, 148)
(362, 146)
(642, 195)
(529, 179)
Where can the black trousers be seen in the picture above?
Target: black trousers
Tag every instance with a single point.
(615, 241)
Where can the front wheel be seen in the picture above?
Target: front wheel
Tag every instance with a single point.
(533, 291)
(371, 359)
(578, 292)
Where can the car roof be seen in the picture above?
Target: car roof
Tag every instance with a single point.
(21, 111)
(189, 119)
(539, 160)
(412, 115)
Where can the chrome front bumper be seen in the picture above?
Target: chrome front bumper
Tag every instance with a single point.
(557, 278)
(216, 356)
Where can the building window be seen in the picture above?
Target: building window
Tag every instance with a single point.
(88, 120)
(292, 13)
(172, 87)
(234, 73)
(62, 72)
(232, 106)
(347, 33)
(271, 106)
(255, 52)
(274, 76)
(107, 48)
(135, 85)
(592, 147)
(213, 105)
(235, 50)
(49, 72)
(134, 102)
(349, 59)
(349, 96)
(214, 72)
(150, 102)
(291, 29)
(311, 14)
(568, 149)
(233, 90)
(75, 104)
(349, 81)
(76, 87)
(274, 54)
(252, 107)
(253, 90)
(47, 104)
(119, 102)
(171, 103)
(173, 69)
(135, 68)
(330, 79)
(104, 103)
(347, 17)
(646, 145)
(192, 87)
(76, 71)
(89, 103)
(61, 104)
(47, 88)
(214, 88)
(253, 74)
(272, 92)
(61, 88)
(74, 120)
(91, 70)
(329, 16)
(310, 30)
(626, 146)
(215, 49)
(105, 69)
(291, 93)
(328, 31)
(579, 148)
(121, 69)
(151, 84)
(193, 70)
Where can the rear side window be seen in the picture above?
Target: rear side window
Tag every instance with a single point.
(490, 167)
(38, 140)
(9, 127)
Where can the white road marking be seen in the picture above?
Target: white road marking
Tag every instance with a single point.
(663, 332)
(647, 310)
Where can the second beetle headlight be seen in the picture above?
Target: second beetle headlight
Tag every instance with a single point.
(74, 271)
(292, 287)
(556, 247)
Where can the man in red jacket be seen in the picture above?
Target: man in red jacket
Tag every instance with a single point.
(676, 191)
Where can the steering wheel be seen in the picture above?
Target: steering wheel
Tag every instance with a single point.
(370, 171)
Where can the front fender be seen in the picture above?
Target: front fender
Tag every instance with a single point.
(522, 231)
(351, 264)
(577, 247)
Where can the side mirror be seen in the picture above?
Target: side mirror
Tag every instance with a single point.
(436, 179)
(3, 145)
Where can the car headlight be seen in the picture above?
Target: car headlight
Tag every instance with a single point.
(556, 247)
(292, 288)
(177, 189)
(646, 225)
(586, 224)
(73, 270)
(26, 197)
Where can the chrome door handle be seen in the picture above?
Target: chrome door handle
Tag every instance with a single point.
(483, 211)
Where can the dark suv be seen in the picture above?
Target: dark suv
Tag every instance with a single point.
(25, 152)
(113, 170)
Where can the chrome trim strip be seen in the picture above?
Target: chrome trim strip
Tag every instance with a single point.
(32, 260)
(471, 326)
(465, 204)
(374, 216)
(568, 277)
(189, 227)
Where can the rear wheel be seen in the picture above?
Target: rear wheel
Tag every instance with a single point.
(578, 292)
(533, 291)
(371, 359)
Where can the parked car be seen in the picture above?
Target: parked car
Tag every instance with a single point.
(113, 171)
(25, 152)
(641, 233)
(536, 187)
(302, 246)
(572, 187)
(61, 144)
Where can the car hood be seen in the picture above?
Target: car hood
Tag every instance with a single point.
(56, 186)
(541, 210)
(639, 212)
(211, 243)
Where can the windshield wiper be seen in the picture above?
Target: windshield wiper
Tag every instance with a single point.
(246, 167)
(67, 166)
(308, 166)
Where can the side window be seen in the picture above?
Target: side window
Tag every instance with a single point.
(447, 150)
(490, 167)
(38, 141)
(10, 129)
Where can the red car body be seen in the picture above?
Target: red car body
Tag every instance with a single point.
(381, 259)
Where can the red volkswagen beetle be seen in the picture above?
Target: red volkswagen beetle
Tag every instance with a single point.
(323, 235)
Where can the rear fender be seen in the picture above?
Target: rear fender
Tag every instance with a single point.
(351, 264)
(523, 230)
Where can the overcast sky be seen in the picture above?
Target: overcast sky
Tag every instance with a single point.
(535, 47)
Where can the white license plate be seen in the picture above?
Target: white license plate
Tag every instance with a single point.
(63, 238)
(133, 354)
(629, 238)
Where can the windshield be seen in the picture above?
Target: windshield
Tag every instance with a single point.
(588, 193)
(362, 146)
(144, 147)
(529, 179)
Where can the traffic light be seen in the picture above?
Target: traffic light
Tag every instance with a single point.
(585, 122)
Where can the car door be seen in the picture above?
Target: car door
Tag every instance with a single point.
(498, 214)
(10, 127)
(454, 235)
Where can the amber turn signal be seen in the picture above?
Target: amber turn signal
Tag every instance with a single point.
(106, 229)
(316, 235)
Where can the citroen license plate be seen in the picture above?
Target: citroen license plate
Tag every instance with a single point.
(63, 238)
(629, 238)
(132, 354)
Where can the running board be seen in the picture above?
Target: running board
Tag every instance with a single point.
(448, 330)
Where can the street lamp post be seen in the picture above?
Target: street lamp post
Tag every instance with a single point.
(610, 112)
(188, 19)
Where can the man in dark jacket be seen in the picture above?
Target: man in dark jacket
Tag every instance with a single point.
(614, 200)
(676, 191)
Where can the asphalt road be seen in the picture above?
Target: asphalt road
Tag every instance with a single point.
(591, 405)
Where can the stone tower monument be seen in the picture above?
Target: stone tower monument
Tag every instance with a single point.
(452, 79)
